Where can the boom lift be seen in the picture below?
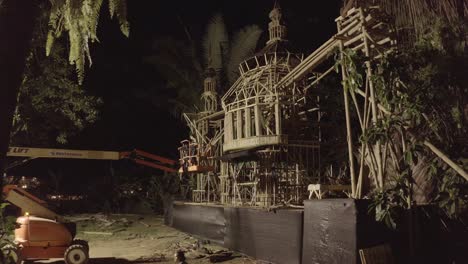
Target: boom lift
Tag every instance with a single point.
(43, 234)
(138, 156)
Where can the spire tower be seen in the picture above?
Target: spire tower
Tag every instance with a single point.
(275, 27)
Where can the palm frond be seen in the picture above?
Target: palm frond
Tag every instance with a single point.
(215, 42)
(178, 64)
(118, 8)
(175, 56)
(80, 19)
(95, 11)
(243, 45)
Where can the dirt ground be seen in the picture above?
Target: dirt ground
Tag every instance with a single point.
(122, 239)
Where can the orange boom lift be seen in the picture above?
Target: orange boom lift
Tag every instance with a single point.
(43, 234)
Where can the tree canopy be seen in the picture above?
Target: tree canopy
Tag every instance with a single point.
(51, 105)
(80, 18)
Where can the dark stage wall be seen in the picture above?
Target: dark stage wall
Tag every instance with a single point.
(206, 222)
(327, 231)
(274, 236)
(335, 230)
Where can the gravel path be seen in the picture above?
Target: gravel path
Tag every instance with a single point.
(125, 239)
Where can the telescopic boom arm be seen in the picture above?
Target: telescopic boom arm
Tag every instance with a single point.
(138, 156)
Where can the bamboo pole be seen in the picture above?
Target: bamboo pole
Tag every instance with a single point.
(358, 111)
(383, 109)
(377, 146)
(446, 159)
(439, 153)
(361, 171)
(366, 115)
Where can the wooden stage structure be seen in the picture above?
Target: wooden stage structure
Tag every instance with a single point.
(259, 143)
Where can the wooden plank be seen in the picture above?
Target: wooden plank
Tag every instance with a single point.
(309, 63)
(358, 37)
(98, 233)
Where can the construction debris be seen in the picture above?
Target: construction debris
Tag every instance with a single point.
(221, 256)
(145, 224)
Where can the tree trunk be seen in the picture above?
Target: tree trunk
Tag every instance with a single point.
(16, 26)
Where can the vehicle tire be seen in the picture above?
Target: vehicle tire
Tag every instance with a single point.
(76, 254)
(11, 254)
(82, 242)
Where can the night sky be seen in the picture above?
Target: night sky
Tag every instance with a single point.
(118, 73)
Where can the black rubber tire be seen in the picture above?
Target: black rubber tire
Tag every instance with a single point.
(13, 251)
(76, 254)
(82, 242)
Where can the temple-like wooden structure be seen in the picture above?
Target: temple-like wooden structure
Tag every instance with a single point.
(259, 143)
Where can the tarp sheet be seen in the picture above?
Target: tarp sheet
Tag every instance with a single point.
(335, 230)
(206, 222)
(274, 236)
(326, 231)
(330, 231)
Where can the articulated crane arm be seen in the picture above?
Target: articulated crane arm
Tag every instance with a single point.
(37, 207)
(138, 156)
(150, 160)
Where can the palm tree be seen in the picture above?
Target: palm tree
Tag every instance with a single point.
(183, 65)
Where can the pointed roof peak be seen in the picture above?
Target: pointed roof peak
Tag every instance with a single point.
(276, 5)
(276, 28)
(275, 13)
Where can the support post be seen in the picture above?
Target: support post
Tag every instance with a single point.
(239, 124)
(377, 147)
(258, 128)
(278, 118)
(348, 127)
(248, 130)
